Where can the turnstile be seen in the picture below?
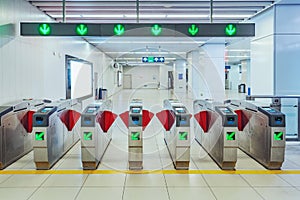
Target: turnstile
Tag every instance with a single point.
(216, 131)
(16, 130)
(135, 134)
(96, 134)
(262, 133)
(56, 129)
(177, 138)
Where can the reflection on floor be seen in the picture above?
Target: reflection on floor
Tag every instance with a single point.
(156, 156)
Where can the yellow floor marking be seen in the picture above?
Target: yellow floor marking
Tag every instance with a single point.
(150, 172)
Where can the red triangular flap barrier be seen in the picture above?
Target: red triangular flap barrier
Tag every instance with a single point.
(147, 116)
(27, 121)
(125, 118)
(242, 119)
(166, 118)
(70, 118)
(202, 119)
(106, 119)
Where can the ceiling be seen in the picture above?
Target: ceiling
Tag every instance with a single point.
(154, 11)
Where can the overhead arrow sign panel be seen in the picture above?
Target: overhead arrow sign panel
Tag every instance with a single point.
(153, 59)
(138, 29)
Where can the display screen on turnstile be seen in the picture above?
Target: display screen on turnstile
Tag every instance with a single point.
(225, 110)
(91, 109)
(46, 109)
(180, 110)
(278, 120)
(136, 110)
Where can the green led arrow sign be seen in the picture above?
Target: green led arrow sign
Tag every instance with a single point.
(230, 136)
(156, 30)
(230, 30)
(119, 29)
(193, 30)
(135, 136)
(183, 135)
(87, 135)
(44, 29)
(81, 29)
(39, 136)
(278, 136)
(150, 59)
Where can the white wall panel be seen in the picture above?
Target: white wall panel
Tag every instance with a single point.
(262, 66)
(287, 19)
(34, 67)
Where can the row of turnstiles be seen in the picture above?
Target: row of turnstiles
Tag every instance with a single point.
(52, 128)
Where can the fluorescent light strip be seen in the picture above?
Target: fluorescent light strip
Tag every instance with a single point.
(103, 16)
(60, 16)
(146, 16)
(231, 16)
(238, 50)
(148, 42)
(187, 16)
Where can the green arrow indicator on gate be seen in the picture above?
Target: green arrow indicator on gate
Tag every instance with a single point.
(193, 30)
(230, 136)
(44, 29)
(87, 135)
(135, 135)
(156, 30)
(119, 29)
(39, 136)
(183, 135)
(81, 29)
(278, 136)
(230, 30)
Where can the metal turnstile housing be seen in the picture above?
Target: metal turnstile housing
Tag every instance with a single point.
(177, 138)
(262, 133)
(219, 139)
(53, 136)
(135, 135)
(94, 141)
(16, 130)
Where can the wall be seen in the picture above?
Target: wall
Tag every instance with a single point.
(287, 48)
(163, 75)
(145, 76)
(32, 67)
(262, 54)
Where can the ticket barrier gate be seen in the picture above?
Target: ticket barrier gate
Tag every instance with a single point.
(56, 129)
(96, 134)
(16, 130)
(136, 120)
(262, 133)
(176, 121)
(216, 131)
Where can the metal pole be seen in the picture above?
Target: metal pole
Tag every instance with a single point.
(64, 10)
(211, 11)
(137, 11)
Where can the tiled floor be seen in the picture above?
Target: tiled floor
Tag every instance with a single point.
(156, 157)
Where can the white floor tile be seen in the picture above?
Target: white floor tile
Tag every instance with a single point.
(279, 193)
(185, 180)
(100, 193)
(145, 180)
(190, 193)
(264, 180)
(235, 193)
(55, 193)
(16, 193)
(225, 180)
(70, 180)
(4, 177)
(146, 193)
(24, 180)
(107, 180)
(293, 179)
